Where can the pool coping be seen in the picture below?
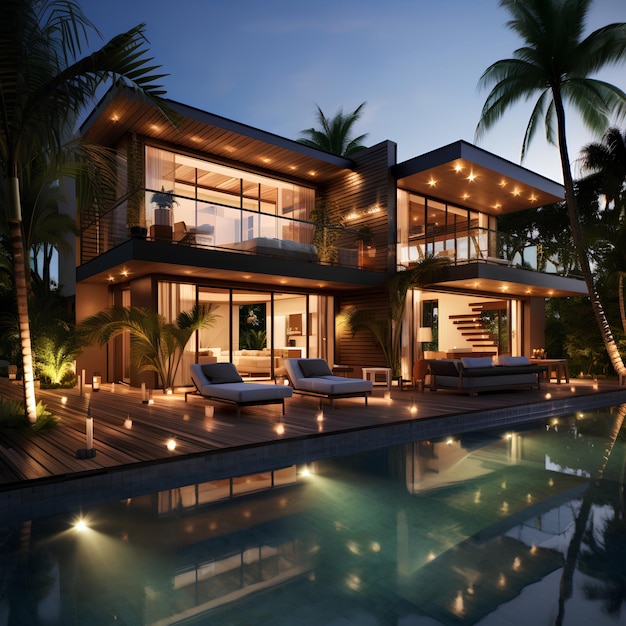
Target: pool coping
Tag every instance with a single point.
(49, 496)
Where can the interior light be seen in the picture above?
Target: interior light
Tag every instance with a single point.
(432, 182)
(472, 177)
(458, 168)
(516, 192)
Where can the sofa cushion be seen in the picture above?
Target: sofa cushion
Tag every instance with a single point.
(314, 368)
(513, 360)
(444, 367)
(477, 361)
(220, 373)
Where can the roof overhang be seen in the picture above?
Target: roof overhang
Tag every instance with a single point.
(123, 110)
(137, 258)
(491, 280)
(465, 175)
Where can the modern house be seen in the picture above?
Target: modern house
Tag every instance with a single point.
(270, 232)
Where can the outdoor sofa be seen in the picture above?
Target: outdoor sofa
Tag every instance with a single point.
(222, 382)
(313, 377)
(474, 374)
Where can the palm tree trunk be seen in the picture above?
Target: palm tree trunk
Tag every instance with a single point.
(21, 289)
(620, 294)
(575, 224)
(580, 524)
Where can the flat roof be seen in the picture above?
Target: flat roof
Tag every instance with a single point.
(122, 110)
(463, 174)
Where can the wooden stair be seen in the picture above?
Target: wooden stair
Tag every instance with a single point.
(473, 328)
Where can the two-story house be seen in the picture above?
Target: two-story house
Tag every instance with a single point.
(217, 212)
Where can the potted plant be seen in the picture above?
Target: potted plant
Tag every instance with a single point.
(365, 237)
(165, 202)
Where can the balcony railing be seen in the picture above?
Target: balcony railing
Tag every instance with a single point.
(213, 226)
(479, 245)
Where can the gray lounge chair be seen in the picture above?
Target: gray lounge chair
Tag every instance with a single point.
(222, 382)
(313, 377)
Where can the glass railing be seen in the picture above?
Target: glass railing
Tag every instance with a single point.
(209, 225)
(479, 246)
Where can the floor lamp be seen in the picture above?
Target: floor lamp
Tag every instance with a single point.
(424, 335)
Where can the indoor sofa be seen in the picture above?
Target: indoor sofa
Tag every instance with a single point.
(475, 374)
(313, 377)
(222, 382)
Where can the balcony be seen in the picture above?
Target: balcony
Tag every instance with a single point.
(212, 226)
(480, 245)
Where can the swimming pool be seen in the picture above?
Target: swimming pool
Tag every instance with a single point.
(497, 528)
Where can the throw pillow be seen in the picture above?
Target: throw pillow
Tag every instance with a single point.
(513, 360)
(313, 368)
(219, 373)
(477, 361)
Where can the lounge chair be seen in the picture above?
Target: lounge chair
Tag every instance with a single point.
(313, 377)
(222, 382)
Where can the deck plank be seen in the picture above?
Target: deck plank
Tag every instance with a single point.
(51, 453)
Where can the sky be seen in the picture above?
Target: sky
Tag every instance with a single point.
(416, 64)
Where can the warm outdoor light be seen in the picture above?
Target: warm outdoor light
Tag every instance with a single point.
(88, 451)
(12, 372)
(171, 444)
(95, 381)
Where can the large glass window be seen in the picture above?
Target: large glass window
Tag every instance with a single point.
(431, 227)
(226, 205)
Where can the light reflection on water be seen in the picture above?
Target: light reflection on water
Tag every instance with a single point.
(517, 527)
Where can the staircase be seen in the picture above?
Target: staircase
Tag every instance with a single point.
(474, 329)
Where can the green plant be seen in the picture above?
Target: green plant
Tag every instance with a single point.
(387, 330)
(12, 416)
(253, 340)
(155, 345)
(365, 235)
(328, 229)
(164, 199)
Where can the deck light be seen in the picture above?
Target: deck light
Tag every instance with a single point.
(209, 411)
(128, 423)
(88, 451)
(96, 380)
(171, 444)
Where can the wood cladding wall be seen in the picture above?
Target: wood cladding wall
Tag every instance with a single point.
(362, 350)
(366, 196)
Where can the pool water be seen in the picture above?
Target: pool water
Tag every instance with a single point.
(496, 528)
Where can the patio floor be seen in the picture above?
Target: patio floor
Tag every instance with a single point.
(42, 472)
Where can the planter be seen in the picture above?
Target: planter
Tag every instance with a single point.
(138, 232)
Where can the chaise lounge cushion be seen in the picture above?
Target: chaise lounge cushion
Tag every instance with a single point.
(312, 368)
(327, 385)
(237, 391)
(220, 373)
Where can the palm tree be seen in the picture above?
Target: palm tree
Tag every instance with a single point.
(605, 163)
(45, 86)
(335, 134)
(556, 64)
(387, 330)
(156, 345)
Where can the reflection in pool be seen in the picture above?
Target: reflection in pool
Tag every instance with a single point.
(496, 528)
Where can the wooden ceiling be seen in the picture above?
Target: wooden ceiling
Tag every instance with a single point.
(122, 111)
(467, 176)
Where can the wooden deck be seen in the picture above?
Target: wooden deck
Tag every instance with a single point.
(51, 454)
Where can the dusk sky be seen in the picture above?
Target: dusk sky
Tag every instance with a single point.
(416, 64)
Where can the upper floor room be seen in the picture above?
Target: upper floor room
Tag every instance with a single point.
(212, 184)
